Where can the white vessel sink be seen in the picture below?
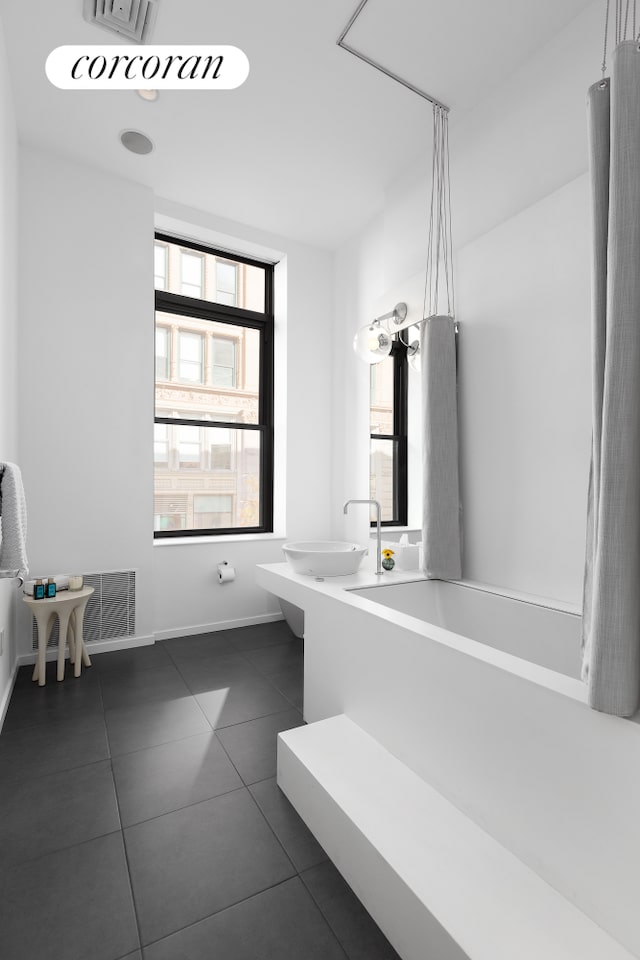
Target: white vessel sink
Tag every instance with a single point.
(324, 558)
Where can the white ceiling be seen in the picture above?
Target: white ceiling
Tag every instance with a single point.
(306, 147)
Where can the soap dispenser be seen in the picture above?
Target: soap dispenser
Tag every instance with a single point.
(408, 558)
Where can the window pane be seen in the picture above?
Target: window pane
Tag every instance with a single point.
(191, 274)
(190, 357)
(188, 444)
(220, 449)
(211, 480)
(160, 266)
(169, 512)
(213, 511)
(208, 276)
(388, 468)
(223, 362)
(220, 362)
(162, 353)
(382, 396)
(160, 443)
(226, 282)
(382, 473)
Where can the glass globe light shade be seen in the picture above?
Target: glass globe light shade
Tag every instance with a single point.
(372, 343)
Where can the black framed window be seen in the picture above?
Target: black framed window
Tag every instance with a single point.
(213, 439)
(388, 436)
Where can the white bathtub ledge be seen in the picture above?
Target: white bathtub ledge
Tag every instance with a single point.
(431, 878)
(295, 588)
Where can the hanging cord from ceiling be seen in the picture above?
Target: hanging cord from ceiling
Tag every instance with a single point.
(623, 30)
(439, 270)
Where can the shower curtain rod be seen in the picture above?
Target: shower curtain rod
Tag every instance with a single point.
(378, 66)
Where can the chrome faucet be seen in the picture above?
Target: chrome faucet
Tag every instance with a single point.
(378, 539)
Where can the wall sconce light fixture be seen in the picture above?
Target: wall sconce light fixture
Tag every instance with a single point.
(373, 342)
(413, 355)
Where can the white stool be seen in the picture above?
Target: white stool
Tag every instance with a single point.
(69, 605)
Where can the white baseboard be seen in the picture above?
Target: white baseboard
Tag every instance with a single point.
(121, 643)
(215, 627)
(124, 643)
(93, 647)
(6, 696)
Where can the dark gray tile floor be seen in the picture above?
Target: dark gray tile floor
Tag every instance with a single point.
(140, 817)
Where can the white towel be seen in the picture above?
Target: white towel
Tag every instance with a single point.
(13, 508)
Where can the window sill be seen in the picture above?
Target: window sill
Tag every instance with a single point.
(396, 529)
(227, 538)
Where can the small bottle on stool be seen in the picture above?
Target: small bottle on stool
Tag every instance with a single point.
(50, 587)
(38, 590)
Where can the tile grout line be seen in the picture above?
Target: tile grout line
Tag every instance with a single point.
(128, 865)
(229, 906)
(280, 844)
(325, 918)
(268, 679)
(163, 743)
(263, 716)
(121, 831)
(8, 781)
(215, 732)
(69, 846)
(186, 806)
(243, 654)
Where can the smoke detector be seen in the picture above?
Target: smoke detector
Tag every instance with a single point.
(131, 19)
(136, 142)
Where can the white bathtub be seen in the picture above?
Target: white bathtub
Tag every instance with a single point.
(478, 694)
(539, 634)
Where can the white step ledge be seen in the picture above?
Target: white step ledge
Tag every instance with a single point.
(435, 883)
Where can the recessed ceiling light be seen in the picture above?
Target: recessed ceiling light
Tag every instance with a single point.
(150, 95)
(136, 142)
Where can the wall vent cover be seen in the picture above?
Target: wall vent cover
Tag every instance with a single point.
(131, 19)
(111, 611)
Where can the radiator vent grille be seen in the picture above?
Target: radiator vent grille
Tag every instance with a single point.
(111, 611)
(131, 19)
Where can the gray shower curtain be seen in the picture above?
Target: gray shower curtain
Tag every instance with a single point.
(441, 516)
(611, 616)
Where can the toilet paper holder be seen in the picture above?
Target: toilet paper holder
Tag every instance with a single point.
(226, 572)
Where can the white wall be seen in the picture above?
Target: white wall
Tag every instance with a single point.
(85, 371)
(8, 342)
(525, 401)
(520, 225)
(359, 280)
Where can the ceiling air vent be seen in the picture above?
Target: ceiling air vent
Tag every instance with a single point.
(131, 19)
